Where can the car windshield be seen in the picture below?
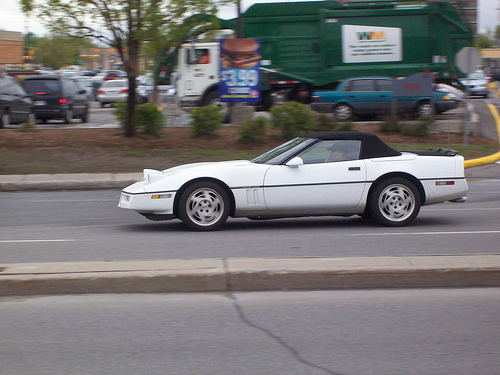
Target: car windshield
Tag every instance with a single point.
(283, 152)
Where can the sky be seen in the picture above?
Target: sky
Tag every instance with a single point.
(12, 18)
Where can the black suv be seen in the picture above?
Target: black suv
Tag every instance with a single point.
(57, 98)
(15, 104)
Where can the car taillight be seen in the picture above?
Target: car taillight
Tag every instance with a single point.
(39, 93)
(100, 92)
(316, 99)
(123, 91)
(63, 101)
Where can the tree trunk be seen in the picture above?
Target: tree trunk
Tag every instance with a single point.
(131, 68)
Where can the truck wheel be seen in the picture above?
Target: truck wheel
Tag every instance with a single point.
(395, 202)
(213, 99)
(343, 112)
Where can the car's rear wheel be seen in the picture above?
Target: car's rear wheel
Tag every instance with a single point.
(395, 202)
(85, 116)
(68, 116)
(4, 119)
(343, 112)
(204, 206)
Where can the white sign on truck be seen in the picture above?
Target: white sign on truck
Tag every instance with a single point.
(361, 44)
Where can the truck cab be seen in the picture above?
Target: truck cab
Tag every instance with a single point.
(198, 68)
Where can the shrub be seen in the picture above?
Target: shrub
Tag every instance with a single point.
(390, 124)
(254, 130)
(205, 121)
(150, 118)
(346, 126)
(420, 128)
(120, 112)
(326, 123)
(293, 119)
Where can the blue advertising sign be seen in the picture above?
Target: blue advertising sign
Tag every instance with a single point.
(239, 71)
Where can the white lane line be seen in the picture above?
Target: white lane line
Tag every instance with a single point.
(70, 200)
(426, 233)
(34, 241)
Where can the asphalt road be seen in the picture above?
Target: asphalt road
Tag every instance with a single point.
(69, 226)
(384, 332)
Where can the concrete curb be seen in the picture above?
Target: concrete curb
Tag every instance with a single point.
(68, 181)
(250, 274)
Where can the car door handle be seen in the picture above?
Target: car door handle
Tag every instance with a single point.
(354, 168)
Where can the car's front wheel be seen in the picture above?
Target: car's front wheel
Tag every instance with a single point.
(204, 206)
(343, 112)
(424, 109)
(395, 202)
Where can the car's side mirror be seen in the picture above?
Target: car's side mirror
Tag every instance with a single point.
(295, 162)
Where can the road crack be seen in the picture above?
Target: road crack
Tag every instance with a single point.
(294, 352)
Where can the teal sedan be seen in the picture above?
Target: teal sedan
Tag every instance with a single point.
(373, 96)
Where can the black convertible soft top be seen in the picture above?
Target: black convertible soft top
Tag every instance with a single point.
(371, 145)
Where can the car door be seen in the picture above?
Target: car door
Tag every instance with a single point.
(317, 186)
(77, 97)
(384, 90)
(15, 99)
(362, 96)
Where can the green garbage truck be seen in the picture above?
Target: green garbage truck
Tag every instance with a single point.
(311, 45)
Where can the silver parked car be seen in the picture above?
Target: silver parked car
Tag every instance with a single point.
(112, 91)
(476, 84)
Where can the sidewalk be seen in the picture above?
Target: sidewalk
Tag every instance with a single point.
(250, 274)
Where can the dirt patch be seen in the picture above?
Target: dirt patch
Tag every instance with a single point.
(108, 150)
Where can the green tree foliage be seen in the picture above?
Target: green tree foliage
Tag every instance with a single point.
(483, 41)
(124, 25)
(57, 51)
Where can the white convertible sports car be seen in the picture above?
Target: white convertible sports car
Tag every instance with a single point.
(327, 174)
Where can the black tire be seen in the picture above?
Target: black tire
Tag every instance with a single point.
(204, 206)
(85, 116)
(68, 116)
(4, 119)
(343, 112)
(424, 109)
(395, 202)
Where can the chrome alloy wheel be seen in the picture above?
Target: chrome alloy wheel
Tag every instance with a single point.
(396, 202)
(205, 207)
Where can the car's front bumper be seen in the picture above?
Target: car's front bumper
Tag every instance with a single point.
(148, 203)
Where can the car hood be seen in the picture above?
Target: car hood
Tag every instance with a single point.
(238, 172)
(469, 82)
(202, 167)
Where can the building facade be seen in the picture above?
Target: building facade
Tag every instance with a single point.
(11, 48)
